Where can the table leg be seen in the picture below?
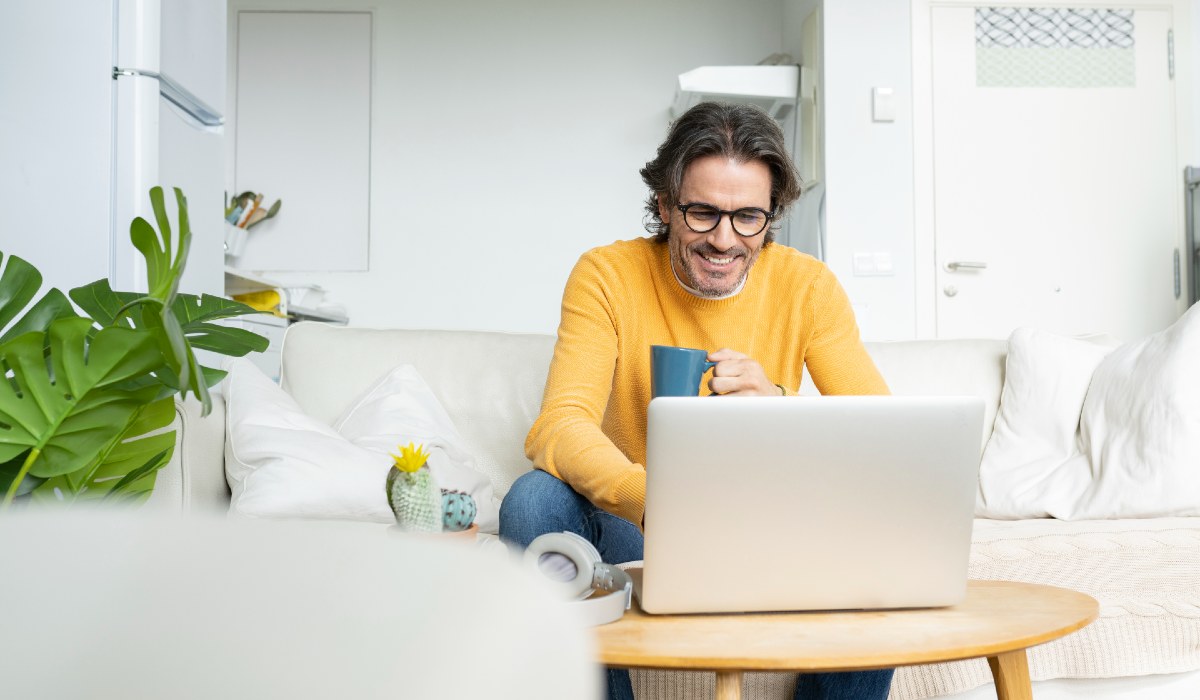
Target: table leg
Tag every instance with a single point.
(1010, 670)
(729, 685)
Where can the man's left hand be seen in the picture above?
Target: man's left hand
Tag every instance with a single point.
(737, 374)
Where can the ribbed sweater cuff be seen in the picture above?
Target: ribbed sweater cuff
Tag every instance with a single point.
(631, 497)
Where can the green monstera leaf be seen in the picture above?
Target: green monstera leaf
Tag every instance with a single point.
(19, 284)
(9, 472)
(164, 261)
(64, 409)
(164, 267)
(179, 323)
(106, 307)
(196, 315)
(126, 469)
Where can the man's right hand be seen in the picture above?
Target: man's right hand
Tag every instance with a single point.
(738, 374)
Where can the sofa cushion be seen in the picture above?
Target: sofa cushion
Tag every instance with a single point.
(489, 383)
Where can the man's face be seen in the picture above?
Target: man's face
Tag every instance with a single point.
(716, 262)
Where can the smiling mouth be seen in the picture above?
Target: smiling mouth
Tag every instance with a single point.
(715, 261)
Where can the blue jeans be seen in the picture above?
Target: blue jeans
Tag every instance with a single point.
(539, 503)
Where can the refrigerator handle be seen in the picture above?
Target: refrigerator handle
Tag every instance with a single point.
(1191, 189)
(177, 95)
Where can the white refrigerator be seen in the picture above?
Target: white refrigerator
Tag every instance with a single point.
(100, 100)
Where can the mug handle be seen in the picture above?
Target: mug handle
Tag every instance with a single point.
(707, 366)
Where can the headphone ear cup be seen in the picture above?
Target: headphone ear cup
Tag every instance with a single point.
(581, 553)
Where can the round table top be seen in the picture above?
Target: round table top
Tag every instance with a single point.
(996, 617)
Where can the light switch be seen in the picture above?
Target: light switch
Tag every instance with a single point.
(883, 263)
(883, 104)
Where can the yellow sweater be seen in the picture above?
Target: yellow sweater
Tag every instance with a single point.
(623, 298)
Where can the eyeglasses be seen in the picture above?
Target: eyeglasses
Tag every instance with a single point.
(747, 221)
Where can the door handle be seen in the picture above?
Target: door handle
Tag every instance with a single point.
(956, 265)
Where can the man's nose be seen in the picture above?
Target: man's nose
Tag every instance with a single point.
(723, 237)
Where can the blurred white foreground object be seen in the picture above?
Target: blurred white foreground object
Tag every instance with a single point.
(123, 605)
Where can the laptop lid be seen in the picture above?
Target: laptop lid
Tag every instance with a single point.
(827, 503)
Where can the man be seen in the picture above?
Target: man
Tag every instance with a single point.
(708, 278)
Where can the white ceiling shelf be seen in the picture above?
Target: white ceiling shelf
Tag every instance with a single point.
(774, 88)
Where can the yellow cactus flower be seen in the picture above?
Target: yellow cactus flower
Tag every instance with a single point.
(411, 458)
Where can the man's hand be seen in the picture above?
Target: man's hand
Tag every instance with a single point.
(737, 374)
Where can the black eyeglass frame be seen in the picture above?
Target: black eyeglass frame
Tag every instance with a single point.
(770, 216)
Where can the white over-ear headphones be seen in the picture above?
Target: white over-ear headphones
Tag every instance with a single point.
(574, 564)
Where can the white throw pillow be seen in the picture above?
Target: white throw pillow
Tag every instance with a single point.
(401, 408)
(1030, 466)
(1141, 427)
(1088, 433)
(282, 463)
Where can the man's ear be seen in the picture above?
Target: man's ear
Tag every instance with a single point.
(664, 212)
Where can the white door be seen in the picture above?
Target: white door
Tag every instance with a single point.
(1055, 178)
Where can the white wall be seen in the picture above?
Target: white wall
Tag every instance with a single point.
(869, 165)
(55, 139)
(506, 140)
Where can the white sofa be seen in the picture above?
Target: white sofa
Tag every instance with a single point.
(1145, 573)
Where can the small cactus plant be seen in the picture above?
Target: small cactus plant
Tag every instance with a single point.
(412, 493)
(458, 510)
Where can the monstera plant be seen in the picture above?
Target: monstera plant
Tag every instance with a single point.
(85, 399)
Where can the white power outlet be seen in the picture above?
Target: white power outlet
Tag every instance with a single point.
(864, 264)
(873, 264)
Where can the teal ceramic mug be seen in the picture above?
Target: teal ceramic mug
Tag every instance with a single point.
(677, 371)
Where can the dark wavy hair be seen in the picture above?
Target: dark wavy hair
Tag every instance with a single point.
(741, 132)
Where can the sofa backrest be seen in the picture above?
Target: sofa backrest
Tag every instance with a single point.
(491, 384)
(940, 368)
(945, 368)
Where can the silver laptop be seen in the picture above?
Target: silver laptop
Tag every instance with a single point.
(822, 503)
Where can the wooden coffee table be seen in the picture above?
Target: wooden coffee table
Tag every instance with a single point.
(999, 620)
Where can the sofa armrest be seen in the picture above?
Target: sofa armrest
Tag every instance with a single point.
(194, 479)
